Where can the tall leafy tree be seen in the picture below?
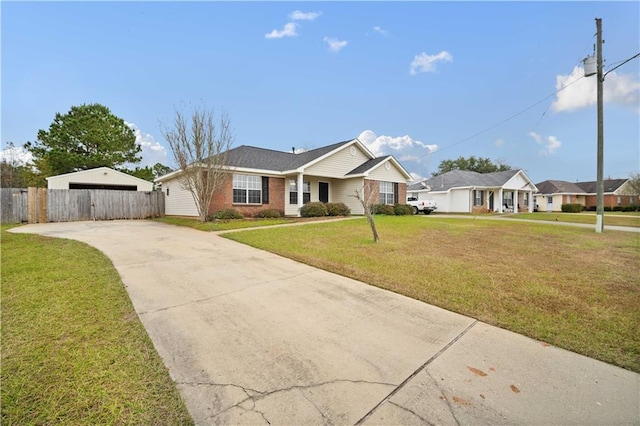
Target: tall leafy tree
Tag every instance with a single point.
(86, 137)
(473, 164)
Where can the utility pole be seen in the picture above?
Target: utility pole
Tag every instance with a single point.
(600, 172)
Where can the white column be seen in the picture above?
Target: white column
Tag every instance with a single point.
(515, 201)
(299, 186)
(500, 201)
(530, 201)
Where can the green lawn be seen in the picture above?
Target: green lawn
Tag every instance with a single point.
(566, 286)
(228, 225)
(610, 218)
(73, 349)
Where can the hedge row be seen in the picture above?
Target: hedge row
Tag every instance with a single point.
(389, 210)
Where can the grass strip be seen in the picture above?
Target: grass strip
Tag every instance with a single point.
(73, 349)
(566, 286)
(611, 219)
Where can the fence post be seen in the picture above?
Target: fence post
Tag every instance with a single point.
(42, 201)
(32, 195)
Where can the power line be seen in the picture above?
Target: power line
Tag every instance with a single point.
(506, 119)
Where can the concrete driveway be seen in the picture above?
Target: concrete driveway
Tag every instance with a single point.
(253, 338)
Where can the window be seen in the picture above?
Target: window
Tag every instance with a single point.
(386, 193)
(247, 189)
(619, 201)
(568, 199)
(526, 199)
(549, 200)
(508, 199)
(478, 198)
(293, 191)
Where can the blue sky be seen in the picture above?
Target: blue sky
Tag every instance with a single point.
(424, 81)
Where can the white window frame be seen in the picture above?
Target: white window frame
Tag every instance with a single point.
(386, 192)
(250, 184)
(306, 191)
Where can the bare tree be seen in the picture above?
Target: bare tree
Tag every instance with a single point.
(365, 196)
(200, 148)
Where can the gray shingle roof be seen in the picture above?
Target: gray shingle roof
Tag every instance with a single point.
(559, 187)
(610, 185)
(252, 157)
(367, 165)
(564, 187)
(464, 178)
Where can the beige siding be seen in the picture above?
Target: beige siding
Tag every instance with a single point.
(338, 164)
(99, 176)
(392, 175)
(344, 191)
(180, 201)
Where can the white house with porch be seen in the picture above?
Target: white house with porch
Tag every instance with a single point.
(461, 191)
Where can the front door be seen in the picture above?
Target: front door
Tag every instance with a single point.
(323, 192)
(491, 202)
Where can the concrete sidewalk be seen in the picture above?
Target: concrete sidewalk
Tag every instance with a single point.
(253, 338)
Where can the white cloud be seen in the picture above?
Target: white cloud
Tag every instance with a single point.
(499, 143)
(298, 15)
(427, 63)
(335, 45)
(379, 30)
(289, 30)
(16, 155)
(550, 144)
(620, 89)
(152, 151)
(416, 177)
(382, 145)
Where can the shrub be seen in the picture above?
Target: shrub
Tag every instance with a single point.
(402, 209)
(338, 209)
(315, 209)
(607, 209)
(226, 214)
(572, 208)
(382, 209)
(618, 209)
(269, 214)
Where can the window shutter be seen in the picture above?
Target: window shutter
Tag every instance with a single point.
(265, 189)
(395, 193)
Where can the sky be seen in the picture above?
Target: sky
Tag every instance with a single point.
(422, 81)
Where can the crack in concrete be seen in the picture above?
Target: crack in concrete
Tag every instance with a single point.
(206, 299)
(326, 420)
(415, 373)
(258, 395)
(422, 419)
(445, 399)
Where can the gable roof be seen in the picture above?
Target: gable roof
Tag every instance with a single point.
(564, 187)
(252, 157)
(559, 187)
(262, 159)
(610, 185)
(103, 169)
(464, 179)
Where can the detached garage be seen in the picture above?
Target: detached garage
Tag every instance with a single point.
(100, 178)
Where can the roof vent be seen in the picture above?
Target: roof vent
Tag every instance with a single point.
(293, 149)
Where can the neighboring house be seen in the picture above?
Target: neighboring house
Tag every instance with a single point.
(554, 193)
(99, 178)
(461, 191)
(266, 179)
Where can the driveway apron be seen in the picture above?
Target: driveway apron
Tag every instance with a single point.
(253, 338)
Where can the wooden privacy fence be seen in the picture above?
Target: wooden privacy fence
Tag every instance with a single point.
(35, 205)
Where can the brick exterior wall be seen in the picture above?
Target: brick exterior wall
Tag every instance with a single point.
(612, 200)
(374, 185)
(223, 199)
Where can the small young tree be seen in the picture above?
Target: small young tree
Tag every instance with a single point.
(200, 148)
(365, 196)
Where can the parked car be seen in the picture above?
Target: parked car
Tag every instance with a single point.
(424, 206)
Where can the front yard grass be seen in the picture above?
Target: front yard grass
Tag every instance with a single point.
(566, 286)
(631, 219)
(73, 349)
